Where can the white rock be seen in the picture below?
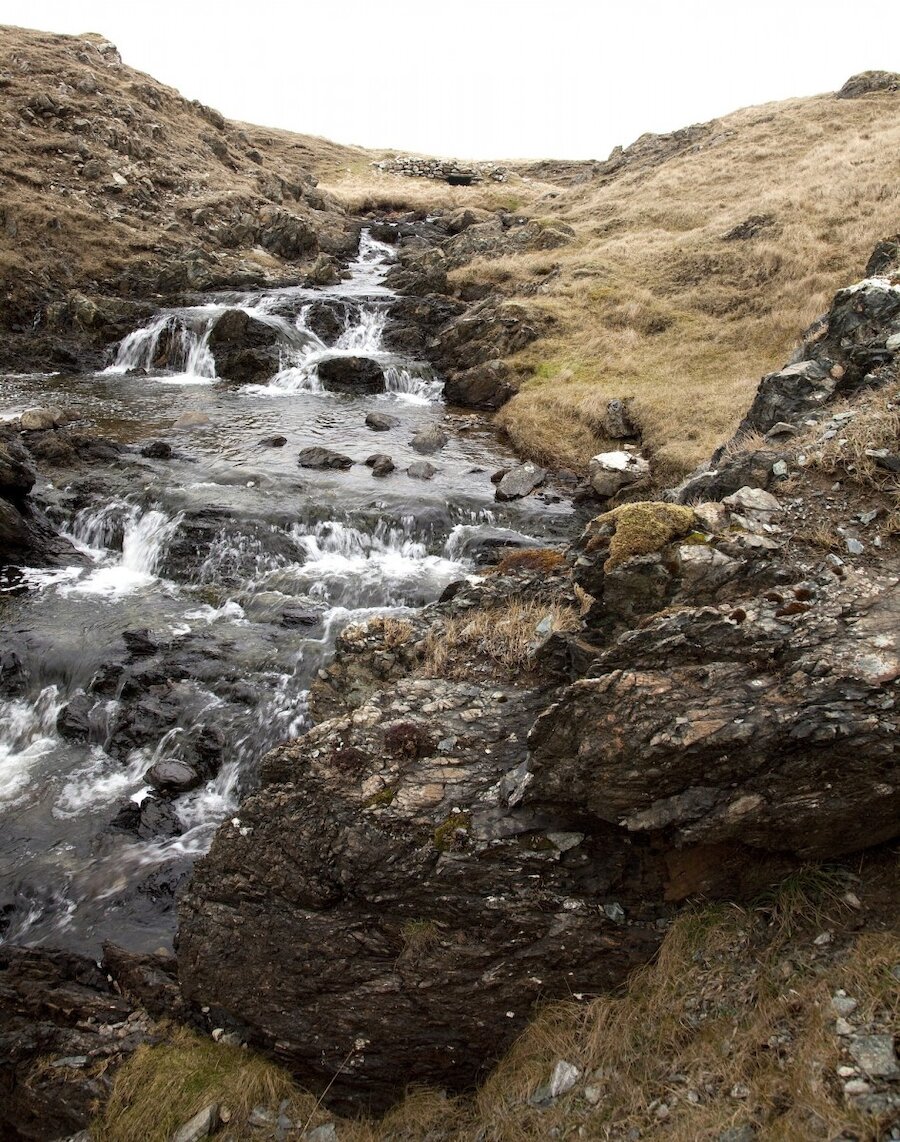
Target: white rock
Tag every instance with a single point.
(565, 1076)
(200, 1126)
(749, 499)
(612, 471)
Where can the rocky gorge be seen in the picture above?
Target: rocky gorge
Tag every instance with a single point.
(335, 731)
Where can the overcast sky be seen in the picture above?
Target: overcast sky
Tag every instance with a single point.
(486, 78)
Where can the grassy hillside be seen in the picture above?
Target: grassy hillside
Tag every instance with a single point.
(652, 300)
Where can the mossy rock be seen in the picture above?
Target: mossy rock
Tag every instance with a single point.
(642, 528)
(447, 836)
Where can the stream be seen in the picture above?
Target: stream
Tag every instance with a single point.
(207, 591)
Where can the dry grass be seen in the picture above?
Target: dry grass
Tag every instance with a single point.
(730, 1025)
(548, 560)
(392, 632)
(364, 191)
(875, 425)
(650, 302)
(504, 637)
(161, 1088)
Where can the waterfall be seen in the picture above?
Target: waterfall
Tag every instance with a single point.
(182, 338)
(143, 535)
(27, 733)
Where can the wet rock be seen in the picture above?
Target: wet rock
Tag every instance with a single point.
(191, 420)
(486, 386)
(150, 820)
(40, 419)
(326, 320)
(172, 777)
(17, 474)
(245, 350)
(520, 481)
(381, 464)
(611, 472)
(381, 421)
(431, 439)
(140, 643)
(320, 458)
(450, 884)
(273, 442)
(157, 450)
(352, 375)
(421, 470)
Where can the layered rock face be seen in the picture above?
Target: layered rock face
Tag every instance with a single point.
(456, 843)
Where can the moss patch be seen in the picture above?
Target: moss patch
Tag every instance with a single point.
(643, 528)
(448, 835)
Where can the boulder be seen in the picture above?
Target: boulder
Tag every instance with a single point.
(173, 777)
(611, 472)
(520, 481)
(431, 439)
(487, 331)
(867, 82)
(321, 458)
(326, 320)
(157, 450)
(353, 375)
(485, 386)
(40, 419)
(463, 912)
(245, 350)
(381, 421)
(17, 475)
(617, 421)
(421, 470)
(381, 464)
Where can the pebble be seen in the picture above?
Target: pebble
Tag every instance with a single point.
(842, 1027)
(822, 939)
(875, 1054)
(593, 1094)
(739, 1090)
(854, 546)
(856, 1086)
(565, 1076)
(844, 1004)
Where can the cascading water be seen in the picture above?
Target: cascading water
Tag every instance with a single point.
(206, 590)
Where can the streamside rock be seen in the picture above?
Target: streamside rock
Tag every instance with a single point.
(421, 470)
(520, 481)
(404, 913)
(486, 386)
(610, 472)
(245, 350)
(381, 421)
(318, 457)
(431, 439)
(381, 464)
(352, 375)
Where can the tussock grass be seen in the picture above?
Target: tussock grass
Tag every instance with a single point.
(160, 1088)
(545, 559)
(393, 632)
(503, 636)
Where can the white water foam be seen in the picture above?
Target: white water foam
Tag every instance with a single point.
(27, 733)
(145, 535)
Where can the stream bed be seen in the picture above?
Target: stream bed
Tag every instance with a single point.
(206, 590)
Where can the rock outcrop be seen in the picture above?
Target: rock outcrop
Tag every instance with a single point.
(448, 846)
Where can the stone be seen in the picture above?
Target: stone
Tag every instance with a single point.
(245, 349)
(893, 343)
(171, 776)
(17, 474)
(875, 1054)
(421, 470)
(854, 547)
(273, 442)
(610, 472)
(200, 1126)
(486, 386)
(868, 81)
(787, 396)
(191, 420)
(321, 458)
(780, 468)
(431, 439)
(351, 375)
(157, 450)
(327, 1132)
(565, 1076)
(844, 1005)
(381, 421)
(752, 500)
(381, 464)
(617, 421)
(520, 481)
(40, 419)
(883, 458)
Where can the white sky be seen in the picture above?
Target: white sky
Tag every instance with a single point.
(486, 78)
